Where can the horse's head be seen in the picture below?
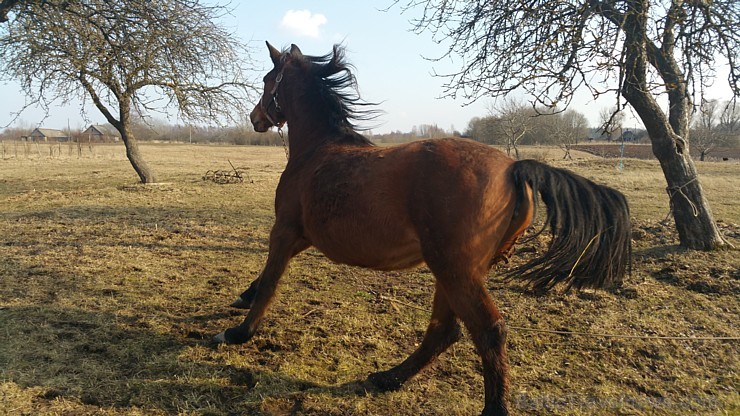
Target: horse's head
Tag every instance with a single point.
(267, 112)
(321, 89)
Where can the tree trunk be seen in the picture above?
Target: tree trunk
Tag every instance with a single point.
(122, 125)
(691, 212)
(134, 156)
(668, 135)
(132, 146)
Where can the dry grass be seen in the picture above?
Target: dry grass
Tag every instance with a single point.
(110, 291)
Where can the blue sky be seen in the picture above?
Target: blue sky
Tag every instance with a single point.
(390, 61)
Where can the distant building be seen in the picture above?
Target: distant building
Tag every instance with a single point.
(98, 134)
(45, 135)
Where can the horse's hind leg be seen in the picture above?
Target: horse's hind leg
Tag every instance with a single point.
(443, 331)
(246, 299)
(471, 302)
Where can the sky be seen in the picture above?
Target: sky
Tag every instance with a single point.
(393, 65)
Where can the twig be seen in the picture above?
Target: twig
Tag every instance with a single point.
(390, 299)
(309, 312)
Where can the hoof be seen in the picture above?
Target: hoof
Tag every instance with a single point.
(240, 303)
(232, 336)
(385, 381)
(220, 338)
(495, 410)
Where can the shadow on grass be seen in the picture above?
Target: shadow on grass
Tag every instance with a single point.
(658, 252)
(147, 228)
(107, 361)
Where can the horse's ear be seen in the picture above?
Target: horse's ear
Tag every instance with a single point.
(295, 52)
(274, 54)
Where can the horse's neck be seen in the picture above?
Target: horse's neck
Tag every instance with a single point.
(308, 129)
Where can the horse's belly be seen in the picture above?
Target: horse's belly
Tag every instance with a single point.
(371, 248)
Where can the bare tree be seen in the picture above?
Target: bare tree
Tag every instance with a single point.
(429, 131)
(705, 135)
(729, 123)
(611, 122)
(577, 125)
(566, 128)
(126, 57)
(551, 48)
(513, 121)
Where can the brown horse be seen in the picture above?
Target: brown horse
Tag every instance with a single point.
(457, 205)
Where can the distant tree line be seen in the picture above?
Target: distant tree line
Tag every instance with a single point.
(424, 131)
(509, 125)
(153, 130)
(243, 134)
(512, 123)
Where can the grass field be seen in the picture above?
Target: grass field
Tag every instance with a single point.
(110, 292)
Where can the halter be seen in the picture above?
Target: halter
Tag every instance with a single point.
(274, 100)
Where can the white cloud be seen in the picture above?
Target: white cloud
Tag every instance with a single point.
(303, 23)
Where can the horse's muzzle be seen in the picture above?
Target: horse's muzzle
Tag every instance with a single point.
(260, 123)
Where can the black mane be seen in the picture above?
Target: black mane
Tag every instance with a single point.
(336, 88)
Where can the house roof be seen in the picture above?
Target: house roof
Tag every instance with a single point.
(48, 133)
(93, 130)
(99, 130)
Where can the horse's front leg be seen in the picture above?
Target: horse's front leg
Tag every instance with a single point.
(246, 299)
(285, 242)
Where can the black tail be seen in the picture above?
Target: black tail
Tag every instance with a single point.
(590, 227)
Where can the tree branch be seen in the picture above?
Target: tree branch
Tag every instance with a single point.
(5, 7)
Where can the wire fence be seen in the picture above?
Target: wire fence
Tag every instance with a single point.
(22, 149)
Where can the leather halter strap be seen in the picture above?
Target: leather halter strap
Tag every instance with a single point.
(273, 100)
